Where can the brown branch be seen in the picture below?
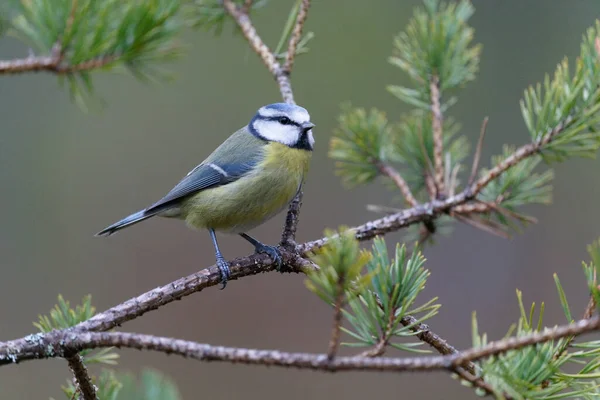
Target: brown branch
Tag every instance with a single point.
(83, 382)
(288, 236)
(434, 340)
(53, 64)
(59, 343)
(257, 44)
(247, 6)
(379, 348)
(334, 341)
(591, 306)
(394, 175)
(296, 35)
(480, 383)
(519, 155)
(438, 140)
(477, 157)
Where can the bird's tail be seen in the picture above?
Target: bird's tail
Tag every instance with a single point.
(125, 222)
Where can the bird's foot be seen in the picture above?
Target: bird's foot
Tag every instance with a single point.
(271, 251)
(224, 269)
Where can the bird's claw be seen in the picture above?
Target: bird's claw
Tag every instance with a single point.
(271, 251)
(224, 270)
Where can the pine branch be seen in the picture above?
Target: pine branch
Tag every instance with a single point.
(258, 45)
(58, 343)
(54, 64)
(83, 382)
(434, 340)
(519, 155)
(334, 341)
(394, 175)
(381, 345)
(477, 157)
(591, 306)
(438, 141)
(296, 35)
(479, 383)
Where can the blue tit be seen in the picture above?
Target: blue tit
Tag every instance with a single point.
(248, 179)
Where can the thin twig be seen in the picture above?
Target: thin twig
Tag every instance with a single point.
(259, 46)
(247, 6)
(53, 64)
(438, 139)
(434, 340)
(380, 347)
(83, 381)
(288, 236)
(296, 35)
(479, 382)
(477, 157)
(394, 175)
(591, 306)
(519, 155)
(486, 225)
(59, 343)
(334, 341)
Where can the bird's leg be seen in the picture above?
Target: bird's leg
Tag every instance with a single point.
(271, 251)
(221, 263)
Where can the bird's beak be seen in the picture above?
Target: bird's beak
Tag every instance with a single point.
(307, 125)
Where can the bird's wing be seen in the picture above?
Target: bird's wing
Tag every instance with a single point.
(204, 176)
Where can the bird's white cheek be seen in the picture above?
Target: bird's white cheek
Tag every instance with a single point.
(275, 132)
(311, 139)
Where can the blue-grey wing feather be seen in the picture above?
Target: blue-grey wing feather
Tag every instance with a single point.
(204, 176)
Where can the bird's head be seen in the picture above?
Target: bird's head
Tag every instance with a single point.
(284, 123)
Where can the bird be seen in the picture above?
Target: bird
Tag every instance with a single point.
(251, 177)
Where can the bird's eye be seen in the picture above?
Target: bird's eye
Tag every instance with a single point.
(284, 121)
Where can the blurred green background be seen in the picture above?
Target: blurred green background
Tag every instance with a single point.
(65, 175)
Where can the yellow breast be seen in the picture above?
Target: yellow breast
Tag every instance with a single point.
(248, 202)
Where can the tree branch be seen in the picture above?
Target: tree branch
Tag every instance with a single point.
(83, 382)
(296, 35)
(479, 382)
(53, 64)
(394, 175)
(334, 341)
(438, 140)
(58, 343)
(434, 340)
(477, 157)
(257, 44)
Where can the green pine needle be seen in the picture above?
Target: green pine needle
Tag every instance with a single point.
(412, 147)
(519, 185)
(107, 383)
(210, 15)
(568, 103)
(358, 144)
(341, 262)
(538, 372)
(437, 41)
(62, 316)
(527, 373)
(389, 296)
(136, 35)
(152, 385)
